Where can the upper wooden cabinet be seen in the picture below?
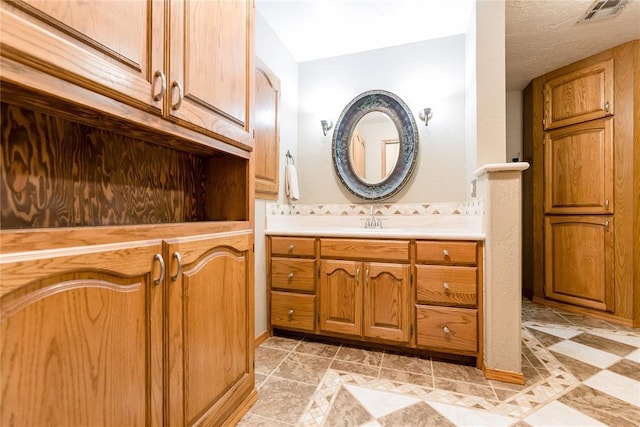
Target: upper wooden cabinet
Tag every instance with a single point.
(583, 94)
(197, 71)
(267, 137)
(210, 76)
(578, 173)
(113, 48)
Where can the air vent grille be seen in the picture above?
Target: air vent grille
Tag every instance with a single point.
(604, 9)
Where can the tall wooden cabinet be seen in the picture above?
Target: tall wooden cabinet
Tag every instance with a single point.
(582, 236)
(126, 185)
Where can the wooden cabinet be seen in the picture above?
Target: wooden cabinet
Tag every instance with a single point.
(579, 168)
(579, 95)
(113, 48)
(196, 71)
(341, 297)
(449, 296)
(84, 339)
(579, 260)
(581, 138)
(267, 131)
(210, 332)
(211, 67)
(292, 267)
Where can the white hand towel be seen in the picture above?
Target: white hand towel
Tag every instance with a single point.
(291, 182)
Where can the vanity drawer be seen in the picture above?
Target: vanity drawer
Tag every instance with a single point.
(446, 328)
(293, 246)
(443, 284)
(445, 252)
(395, 250)
(295, 274)
(292, 311)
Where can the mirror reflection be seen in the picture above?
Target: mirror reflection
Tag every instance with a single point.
(374, 147)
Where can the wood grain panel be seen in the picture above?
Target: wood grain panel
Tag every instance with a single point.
(386, 296)
(56, 173)
(369, 249)
(443, 252)
(446, 285)
(293, 274)
(81, 342)
(293, 311)
(293, 246)
(341, 297)
(447, 328)
(267, 132)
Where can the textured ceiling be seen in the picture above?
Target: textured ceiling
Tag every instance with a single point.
(541, 35)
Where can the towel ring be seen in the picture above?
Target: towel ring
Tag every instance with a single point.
(289, 157)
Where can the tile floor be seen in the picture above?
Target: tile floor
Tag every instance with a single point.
(579, 372)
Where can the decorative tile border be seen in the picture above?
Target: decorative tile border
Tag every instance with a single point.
(475, 207)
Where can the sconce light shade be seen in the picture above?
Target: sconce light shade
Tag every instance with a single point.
(425, 115)
(326, 125)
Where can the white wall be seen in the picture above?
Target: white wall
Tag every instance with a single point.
(514, 125)
(278, 59)
(422, 74)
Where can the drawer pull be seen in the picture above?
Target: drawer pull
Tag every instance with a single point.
(445, 252)
(291, 248)
(445, 329)
(290, 312)
(445, 285)
(290, 276)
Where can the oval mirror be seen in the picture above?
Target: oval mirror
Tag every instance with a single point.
(375, 145)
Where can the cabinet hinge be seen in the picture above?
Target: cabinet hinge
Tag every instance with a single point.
(543, 140)
(543, 123)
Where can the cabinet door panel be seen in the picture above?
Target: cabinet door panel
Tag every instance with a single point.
(81, 340)
(111, 47)
(211, 58)
(579, 260)
(386, 313)
(211, 337)
(578, 169)
(341, 297)
(267, 132)
(584, 94)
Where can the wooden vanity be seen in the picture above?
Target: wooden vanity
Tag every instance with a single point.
(416, 294)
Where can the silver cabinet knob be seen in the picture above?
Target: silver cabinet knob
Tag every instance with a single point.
(290, 275)
(290, 313)
(291, 248)
(445, 252)
(445, 285)
(445, 329)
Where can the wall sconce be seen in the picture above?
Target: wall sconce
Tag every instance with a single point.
(326, 125)
(425, 115)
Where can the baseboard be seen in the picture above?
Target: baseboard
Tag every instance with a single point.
(504, 376)
(610, 317)
(242, 409)
(261, 338)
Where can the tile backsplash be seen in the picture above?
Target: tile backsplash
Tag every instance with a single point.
(475, 207)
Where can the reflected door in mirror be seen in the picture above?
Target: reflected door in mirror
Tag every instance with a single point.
(371, 159)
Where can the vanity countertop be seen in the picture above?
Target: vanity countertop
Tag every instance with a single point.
(445, 227)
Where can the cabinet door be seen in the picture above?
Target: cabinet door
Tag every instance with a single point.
(578, 169)
(267, 132)
(386, 301)
(341, 297)
(114, 48)
(81, 338)
(211, 67)
(578, 96)
(579, 260)
(210, 320)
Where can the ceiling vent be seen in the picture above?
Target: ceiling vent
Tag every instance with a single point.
(603, 9)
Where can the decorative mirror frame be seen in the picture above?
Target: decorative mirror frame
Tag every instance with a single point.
(397, 110)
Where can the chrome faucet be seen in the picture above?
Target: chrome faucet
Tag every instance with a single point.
(371, 221)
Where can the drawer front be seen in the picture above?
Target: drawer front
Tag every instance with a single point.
(393, 250)
(293, 246)
(292, 311)
(293, 274)
(450, 285)
(445, 328)
(445, 252)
